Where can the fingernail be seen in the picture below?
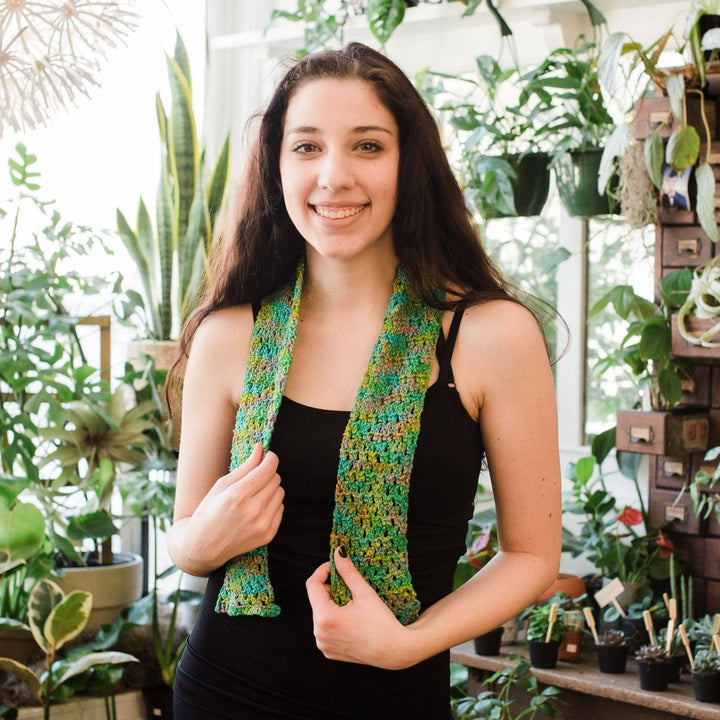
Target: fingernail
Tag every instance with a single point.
(342, 551)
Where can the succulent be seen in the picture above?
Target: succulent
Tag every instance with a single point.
(611, 637)
(707, 661)
(652, 654)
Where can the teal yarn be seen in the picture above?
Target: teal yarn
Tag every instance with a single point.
(376, 454)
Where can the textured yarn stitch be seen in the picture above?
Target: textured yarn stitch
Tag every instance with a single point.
(376, 453)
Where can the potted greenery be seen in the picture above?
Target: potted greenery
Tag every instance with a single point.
(579, 124)
(55, 619)
(612, 651)
(171, 256)
(503, 162)
(545, 630)
(698, 321)
(653, 664)
(706, 676)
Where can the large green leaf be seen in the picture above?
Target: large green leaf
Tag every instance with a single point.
(384, 16)
(22, 530)
(91, 660)
(68, 618)
(24, 673)
(654, 153)
(683, 147)
(705, 199)
(43, 598)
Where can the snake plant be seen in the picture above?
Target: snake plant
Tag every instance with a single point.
(170, 257)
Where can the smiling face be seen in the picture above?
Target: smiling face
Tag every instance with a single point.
(339, 164)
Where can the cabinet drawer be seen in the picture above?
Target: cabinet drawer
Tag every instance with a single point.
(670, 472)
(685, 245)
(666, 510)
(661, 433)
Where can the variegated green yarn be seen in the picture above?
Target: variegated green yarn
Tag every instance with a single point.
(376, 454)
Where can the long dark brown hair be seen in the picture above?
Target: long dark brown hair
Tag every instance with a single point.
(434, 236)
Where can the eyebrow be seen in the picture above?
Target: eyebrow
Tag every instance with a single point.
(360, 130)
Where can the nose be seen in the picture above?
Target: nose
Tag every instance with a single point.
(335, 172)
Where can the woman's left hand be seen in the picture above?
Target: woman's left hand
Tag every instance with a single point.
(364, 630)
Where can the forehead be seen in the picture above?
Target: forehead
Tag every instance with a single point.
(337, 102)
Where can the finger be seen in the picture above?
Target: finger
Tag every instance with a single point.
(318, 590)
(350, 575)
(251, 462)
(254, 479)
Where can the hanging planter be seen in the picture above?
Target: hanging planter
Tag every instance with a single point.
(530, 185)
(576, 174)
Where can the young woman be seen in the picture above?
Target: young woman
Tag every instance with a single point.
(356, 357)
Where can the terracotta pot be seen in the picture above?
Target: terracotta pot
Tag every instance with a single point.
(113, 587)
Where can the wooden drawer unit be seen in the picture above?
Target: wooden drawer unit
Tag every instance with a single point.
(713, 525)
(711, 568)
(712, 597)
(670, 472)
(697, 387)
(715, 386)
(661, 433)
(685, 245)
(664, 509)
(690, 551)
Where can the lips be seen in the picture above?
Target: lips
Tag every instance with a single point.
(338, 213)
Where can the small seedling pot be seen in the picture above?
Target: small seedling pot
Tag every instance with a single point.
(542, 654)
(707, 686)
(489, 642)
(612, 658)
(653, 676)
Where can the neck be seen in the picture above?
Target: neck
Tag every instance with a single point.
(348, 287)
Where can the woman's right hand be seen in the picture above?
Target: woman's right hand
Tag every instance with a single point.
(241, 512)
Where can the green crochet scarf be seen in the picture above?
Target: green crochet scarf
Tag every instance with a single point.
(376, 454)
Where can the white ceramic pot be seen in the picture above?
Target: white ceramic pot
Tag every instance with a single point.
(113, 587)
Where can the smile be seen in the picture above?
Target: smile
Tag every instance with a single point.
(337, 212)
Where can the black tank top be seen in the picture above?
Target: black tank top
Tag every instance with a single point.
(250, 668)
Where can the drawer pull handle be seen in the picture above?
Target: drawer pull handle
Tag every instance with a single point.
(641, 434)
(659, 117)
(688, 246)
(673, 468)
(674, 513)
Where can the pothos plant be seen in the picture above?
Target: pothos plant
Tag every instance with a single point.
(682, 150)
(646, 349)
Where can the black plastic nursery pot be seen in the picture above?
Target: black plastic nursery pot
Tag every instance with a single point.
(159, 701)
(653, 676)
(542, 654)
(635, 632)
(612, 658)
(489, 642)
(707, 686)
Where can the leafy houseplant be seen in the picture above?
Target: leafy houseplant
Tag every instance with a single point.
(546, 628)
(497, 702)
(55, 619)
(98, 435)
(703, 303)
(503, 164)
(579, 126)
(170, 258)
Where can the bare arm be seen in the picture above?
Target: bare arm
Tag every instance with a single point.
(219, 514)
(500, 365)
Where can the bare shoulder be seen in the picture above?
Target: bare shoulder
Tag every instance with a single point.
(219, 350)
(501, 328)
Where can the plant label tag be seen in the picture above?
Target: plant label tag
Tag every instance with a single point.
(610, 592)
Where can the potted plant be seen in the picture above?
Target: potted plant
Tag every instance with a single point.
(697, 321)
(55, 619)
(504, 163)
(653, 664)
(706, 676)
(545, 630)
(612, 651)
(171, 256)
(580, 124)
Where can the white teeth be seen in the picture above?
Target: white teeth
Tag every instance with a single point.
(336, 213)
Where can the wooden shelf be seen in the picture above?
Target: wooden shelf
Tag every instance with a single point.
(582, 683)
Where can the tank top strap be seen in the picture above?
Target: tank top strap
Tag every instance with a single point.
(256, 305)
(445, 347)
